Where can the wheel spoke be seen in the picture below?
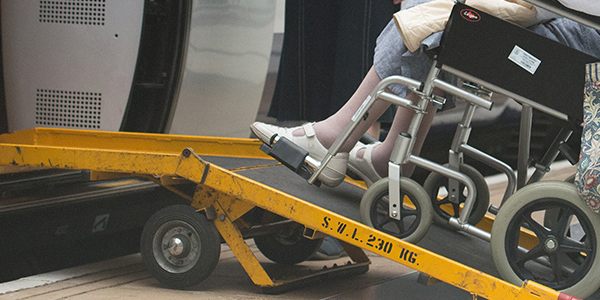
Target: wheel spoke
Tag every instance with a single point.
(556, 267)
(400, 226)
(564, 221)
(455, 210)
(570, 246)
(408, 212)
(539, 230)
(444, 201)
(532, 254)
(384, 221)
(381, 211)
(383, 207)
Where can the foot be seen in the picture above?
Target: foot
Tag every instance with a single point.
(334, 173)
(330, 249)
(362, 166)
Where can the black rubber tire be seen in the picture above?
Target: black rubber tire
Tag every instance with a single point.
(435, 181)
(200, 252)
(287, 249)
(515, 215)
(374, 210)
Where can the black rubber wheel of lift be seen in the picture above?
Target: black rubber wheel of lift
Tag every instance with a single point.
(287, 247)
(436, 182)
(179, 246)
(547, 258)
(415, 210)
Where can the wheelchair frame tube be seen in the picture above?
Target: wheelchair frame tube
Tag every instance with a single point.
(455, 157)
(405, 143)
(524, 145)
(469, 97)
(494, 163)
(460, 177)
(549, 157)
(460, 146)
(497, 89)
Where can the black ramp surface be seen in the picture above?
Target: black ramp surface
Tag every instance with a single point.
(345, 200)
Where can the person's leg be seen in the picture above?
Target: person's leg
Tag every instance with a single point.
(316, 138)
(380, 155)
(328, 129)
(375, 130)
(321, 135)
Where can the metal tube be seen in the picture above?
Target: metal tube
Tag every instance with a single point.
(462, 178)
(468, 115)
(460, 137)
(401, 149)
(394, 209)
(397, 100)
(524, 145)
(512, 95)
(550, 155)
(470, 229)
(496, 164)
(469, 97)
(425, 96)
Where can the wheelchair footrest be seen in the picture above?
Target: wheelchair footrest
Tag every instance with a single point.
(290, 155)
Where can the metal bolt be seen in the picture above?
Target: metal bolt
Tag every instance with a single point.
(222, 217)
(550, 244)
(176, 246)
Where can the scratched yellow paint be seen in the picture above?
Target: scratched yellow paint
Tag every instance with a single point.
(129, 141)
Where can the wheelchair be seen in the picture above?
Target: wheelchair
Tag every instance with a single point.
(542, 232)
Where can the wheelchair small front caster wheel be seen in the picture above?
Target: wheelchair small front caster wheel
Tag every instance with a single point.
(415, 210)
(436, 186)
(180, 247)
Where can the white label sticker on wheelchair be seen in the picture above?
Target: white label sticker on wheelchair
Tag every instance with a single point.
(524, 60)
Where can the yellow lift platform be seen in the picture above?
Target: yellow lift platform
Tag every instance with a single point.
(223, 195)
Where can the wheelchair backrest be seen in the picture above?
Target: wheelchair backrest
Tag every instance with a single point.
(515, 59)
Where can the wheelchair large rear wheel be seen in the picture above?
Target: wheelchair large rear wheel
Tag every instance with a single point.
(525, 246)
(415, 210)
